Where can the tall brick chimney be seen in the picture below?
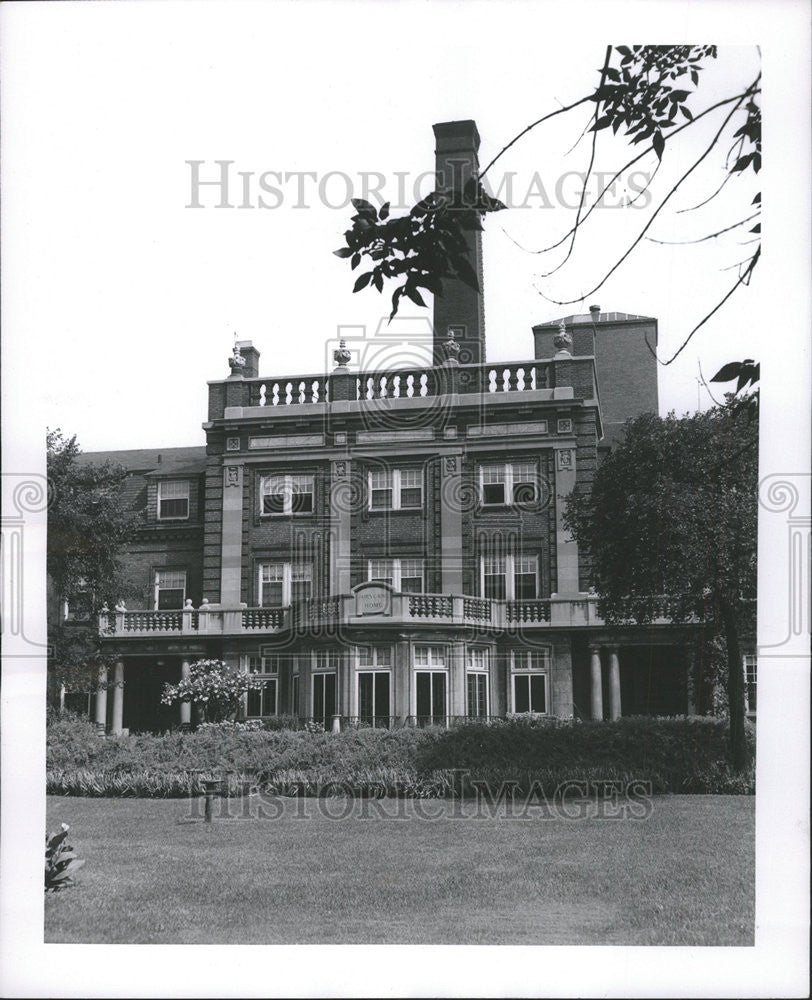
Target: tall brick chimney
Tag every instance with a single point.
(459, 307)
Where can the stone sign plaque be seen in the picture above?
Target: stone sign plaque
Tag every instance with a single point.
(373, 600)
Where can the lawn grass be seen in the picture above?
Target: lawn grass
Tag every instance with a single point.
(682, 876)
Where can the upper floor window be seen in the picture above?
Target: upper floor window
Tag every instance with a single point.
(281, 584)
(508, 483)
(396, 489)
(509, 577)
(170, 589)
(404, 575)
(286, 494)
(173, 500)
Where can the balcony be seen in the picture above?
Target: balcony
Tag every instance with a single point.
(367, 605)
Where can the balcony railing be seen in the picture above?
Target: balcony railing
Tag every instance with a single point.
(343, 610)
(411, 383)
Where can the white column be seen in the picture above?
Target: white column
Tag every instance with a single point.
(101, 701)
(118, 698)
(185, 706)
(614, 684)
(596, 698)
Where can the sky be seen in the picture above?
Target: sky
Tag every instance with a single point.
(129, 300)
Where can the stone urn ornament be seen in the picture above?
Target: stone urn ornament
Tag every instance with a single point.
(562, 340)
(342, 355)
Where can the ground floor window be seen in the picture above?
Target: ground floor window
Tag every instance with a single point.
(476, 682)
(373, 697)
(529, 670)
(294, 694)
(530, 693)
(324, 698)
(263, 701)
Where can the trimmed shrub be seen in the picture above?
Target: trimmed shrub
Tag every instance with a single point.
(675, 755)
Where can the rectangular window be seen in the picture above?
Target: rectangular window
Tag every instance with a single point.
(477, 660)
(750, 678)
(263, 701)
(396, 489)
(324, 698)
(509, 577)
(494, 578)
(170, 589)
(529, 680)
(403, 575)
(380, 490)
(524, 578)
(477, 695)
(508, 483)
(373, 698)
(431, 699)
(281, 584)
(173, 500)
(374, 656)
(294, 695)
(286, 494)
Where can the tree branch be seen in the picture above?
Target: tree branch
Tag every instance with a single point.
(710, 236)
(742, 280)
(660, 207)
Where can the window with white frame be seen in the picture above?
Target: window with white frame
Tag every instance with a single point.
(529, 680)
(509, 577)
(476, 682)
(373, 679)
(508, 483)
(374, 656)
(404, 575)
(286, 494)
(396, 489)
(431, 685)
(173, 500)
(750, 679)
(263, 701)
(170, 589)
(281, 584)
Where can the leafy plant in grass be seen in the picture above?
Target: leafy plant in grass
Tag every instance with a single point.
(213, 687)
(61, 863)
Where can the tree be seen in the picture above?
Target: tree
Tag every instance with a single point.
(89, 522)
(649, 94)
(213, 687)
(673, 512)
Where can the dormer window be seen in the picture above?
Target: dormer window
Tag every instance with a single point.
(173, 500)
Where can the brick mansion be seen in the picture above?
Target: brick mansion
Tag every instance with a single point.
(385, 544)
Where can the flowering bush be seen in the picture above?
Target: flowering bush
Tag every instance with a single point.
(214, 687)
(60, 861)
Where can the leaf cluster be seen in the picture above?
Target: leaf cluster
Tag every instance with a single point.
(646, 93)
(424, 248)
(61, 862)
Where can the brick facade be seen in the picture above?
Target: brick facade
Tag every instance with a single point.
(486, 611)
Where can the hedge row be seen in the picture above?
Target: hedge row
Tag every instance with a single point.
(674, 755)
